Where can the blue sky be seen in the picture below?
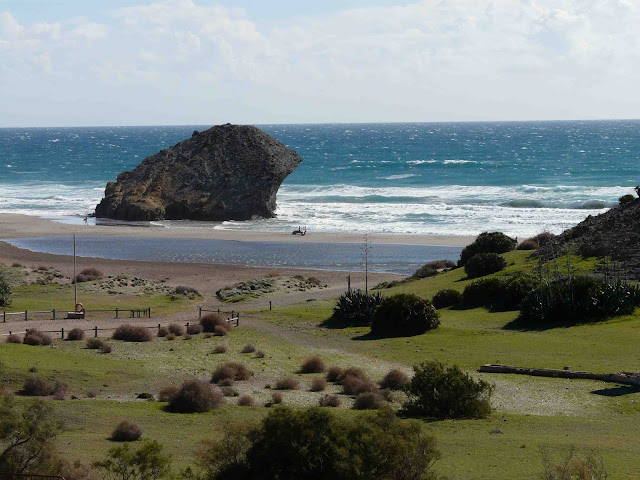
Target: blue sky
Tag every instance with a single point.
(143, 62)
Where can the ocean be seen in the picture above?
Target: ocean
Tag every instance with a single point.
(521, 178)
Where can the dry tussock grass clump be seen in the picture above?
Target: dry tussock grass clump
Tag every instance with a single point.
(231, 371)
(246, 401)
(39, 386)
(163, 332)
(313, 364)
(126, 431)
(75, 335)
(318, 384)
(168, 392)
(105, 348)
(248, 349)
(395, 380)
(95, 343)
(195, 396)
(260, 354)
(287, 383)
(220, 349)
(334, 373)
(329, 401)
(210, 321)
(36, 337)
(89, 275)
(13, 338)
(220, 331)
(276, 399)
(132, 333)
(354, 382)
(176, 330)
(194, 330)
(369, 401)
(229, 391)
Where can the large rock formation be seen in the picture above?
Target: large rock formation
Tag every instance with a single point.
(229, 172)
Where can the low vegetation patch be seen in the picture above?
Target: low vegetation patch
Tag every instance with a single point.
(355, 308)
(499, 293)
(39, 386)
(369, 401)
(287, 383)
(210, 321)
(334, 373)
(195, 396)
(313, 364)
(168, 392)
(395, 380)
(126, 431)
(447, 297)
(231, 371)
(89, 275)
(5, 292)
(246, 401)
(487, 242)
(318, 384)
(248, 349)
(175, 329)
(438, 391)
(163, 332)
(13, 338)
(75, 335)
(329, 401)
(433, 268)
(404, 314)
(95, 343)
(194, 329)
(36, 337)
(218, 349)
(483, 264)
(132, 333)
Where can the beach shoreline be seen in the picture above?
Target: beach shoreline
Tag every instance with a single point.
(14, 226)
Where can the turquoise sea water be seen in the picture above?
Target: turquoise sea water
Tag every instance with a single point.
(431, 178)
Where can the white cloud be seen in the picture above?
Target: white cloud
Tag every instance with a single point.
(452, 59)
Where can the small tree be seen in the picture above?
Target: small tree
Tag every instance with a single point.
(446, 392)
(5, 292)
(487, 242)
(483, 264)
(404, 314)
(355, 308)
(27, 436)
(145, 463)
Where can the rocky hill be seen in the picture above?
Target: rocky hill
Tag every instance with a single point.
(229, 172)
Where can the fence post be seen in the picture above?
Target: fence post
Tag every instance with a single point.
(149, 312)
(158, 327)
(218, 310)
(62, 333)
(269, 304)
(96, 331)
(54, 313)
(199, 312)
(238, 320)
(187, 327)
(4, 314)
(116, 312)
(26, 315)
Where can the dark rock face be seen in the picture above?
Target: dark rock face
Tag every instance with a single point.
(615, 233)
(229, 172)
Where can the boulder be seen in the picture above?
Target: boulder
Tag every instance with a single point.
(229, 172)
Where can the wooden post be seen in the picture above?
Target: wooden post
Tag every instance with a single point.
(218, 310)
(96, 331)
(149, 312)
(54, 313)
(62, 333)
(26, 315)
(199, 312)
(269, 304)
(158, 327)
(238, 320)
(116, 312)
(4, 314)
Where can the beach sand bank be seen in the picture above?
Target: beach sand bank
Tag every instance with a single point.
(25, 226)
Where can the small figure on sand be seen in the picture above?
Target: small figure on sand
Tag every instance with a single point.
(86, 219)
(300, 232)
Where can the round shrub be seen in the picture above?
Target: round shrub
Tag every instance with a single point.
(369, 401)
(544, 238)
(260, 354)
(229, 391)
(220, 349)
(484, 292)
(395, 380)
(334, 373)
(484, 264)
(517, 288)
(313, 364)
(355, 308)
(329, 401)
(220, 331)
(231, 371)
(168, 392)
(248, 349)
(318, 384)
(276, 398)
(441, 392)
(35, 337)
(163, 332)
(356, 386)
(195, 396)
(447, 297)
(628, 198)
(287, 383)
(487, 242)
(528, 244)
(351, 372)
(194, 330)
(175, 329)
(432, 268)
(132, 333)
(211, 320)
(246, 401)
(36, 386)
(404, 314)
(105, 348)
(75, 334)
(5, 292)
(95, 343)
(126, 431)
(89, 275)
(13, 338)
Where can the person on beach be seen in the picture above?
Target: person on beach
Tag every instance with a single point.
(86, 219)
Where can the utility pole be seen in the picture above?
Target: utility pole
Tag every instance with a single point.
(75, 276)
(366, 263)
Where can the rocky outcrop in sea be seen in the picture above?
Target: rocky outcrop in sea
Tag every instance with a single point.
(229, 172)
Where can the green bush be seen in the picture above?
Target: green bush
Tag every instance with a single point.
(483, 264)
(355, 308)
(528, 244)
(446, 298)
(313, 444)
(487, 242)
(578, 300)
(431, 268)
(146, 463)
(628, 198)
(404, 314)
(441, 392)
(498, 293)
(5, 292)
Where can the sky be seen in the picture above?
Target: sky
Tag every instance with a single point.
(206, 62)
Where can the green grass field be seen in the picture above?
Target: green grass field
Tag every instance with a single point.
(530, 412)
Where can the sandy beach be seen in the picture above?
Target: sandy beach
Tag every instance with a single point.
(25, 226)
